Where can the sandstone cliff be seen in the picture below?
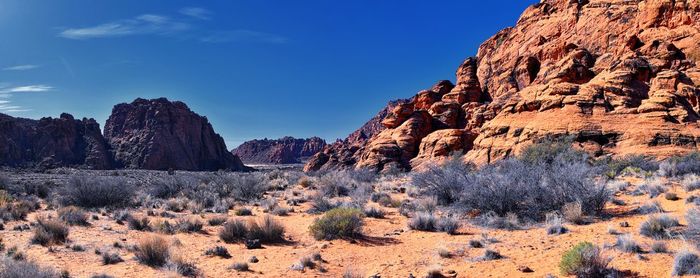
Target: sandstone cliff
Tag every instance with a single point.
(619, 76)
(286, 150)
(158, 135)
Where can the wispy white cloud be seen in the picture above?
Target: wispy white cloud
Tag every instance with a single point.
(26, 89)
(195, 12)
(183, 27)
(21, 67)
(141, 25)
(242, 36)
(6, 92)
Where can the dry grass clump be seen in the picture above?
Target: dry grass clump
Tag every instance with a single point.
(73, 216)
(139, 223)
(658, 226)
(217, 220)
(50, 232)
(267, 230)
(10, 268)
(686, 263)
(153, 251)
(233, 231)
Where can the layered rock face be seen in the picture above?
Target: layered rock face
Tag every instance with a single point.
(52, 142)
(342, 153)
(286, 150)
(618, 76)
(158, 135)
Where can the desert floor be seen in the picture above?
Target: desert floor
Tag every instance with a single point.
(389, 249)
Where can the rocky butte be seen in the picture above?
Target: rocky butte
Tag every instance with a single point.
(52, 142)
(286, 150)
(158, 134)
(152, 134)
(620, 77)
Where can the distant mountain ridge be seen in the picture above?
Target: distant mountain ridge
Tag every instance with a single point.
(286, 150)
(155, 134)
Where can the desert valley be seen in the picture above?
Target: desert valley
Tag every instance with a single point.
(567, 147)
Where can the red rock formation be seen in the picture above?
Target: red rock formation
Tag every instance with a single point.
(286, 150)
(158, 135)
(52, 142)
(341, 154)
(616, 74)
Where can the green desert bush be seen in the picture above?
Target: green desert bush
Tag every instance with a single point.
(584, 260)
(338, 223)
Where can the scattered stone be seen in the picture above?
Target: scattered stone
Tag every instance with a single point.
(253, 244)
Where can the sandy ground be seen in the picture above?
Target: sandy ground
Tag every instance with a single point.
(389, 249)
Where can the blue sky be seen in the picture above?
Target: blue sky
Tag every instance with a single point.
(255, 68)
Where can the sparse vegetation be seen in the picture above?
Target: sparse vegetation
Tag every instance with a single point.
(217, 220)
(73, 216)
(423, 222)
(680, 165)
(338, 223)
(139, 223)
(49, 232)
(243, 212)
(374, 212)
(584, 260)
(659, 247)
(189, 225)
(626, 243)
(448, 225)
(96, 192)
(153, 251)
(219, 251)
(555, 225)
(545, 178)
(267, 230)
(690, 182)
(657, 226)
(10, 268)
(240, 266)
(233, 231)
(686, 263)
(111, 258)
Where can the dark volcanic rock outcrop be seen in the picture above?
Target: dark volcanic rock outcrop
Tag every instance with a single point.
(619, 76)
(158, 134)
(52, 142)
(286, 150)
